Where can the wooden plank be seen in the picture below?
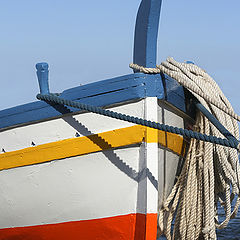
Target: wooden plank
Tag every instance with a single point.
(103, 93)
(174, 93)
(146, 33)
(89, 144)
(103, 86)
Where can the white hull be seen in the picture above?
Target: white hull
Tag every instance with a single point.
(99, 184)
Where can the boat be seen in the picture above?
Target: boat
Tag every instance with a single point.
(66, 173)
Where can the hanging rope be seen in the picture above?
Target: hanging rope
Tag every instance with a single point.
(211, 173)
(182, 72)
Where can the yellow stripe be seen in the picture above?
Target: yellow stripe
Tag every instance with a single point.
(171, 141)
(89, 144)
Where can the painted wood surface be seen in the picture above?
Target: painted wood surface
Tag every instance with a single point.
(146, 33)
(112, 182)
(42, 74)
(89, 144)
(124, 227)
(66, 127)
(151, 157)
(79, 188)
(103, 93)
(108, 92)
(168, 161)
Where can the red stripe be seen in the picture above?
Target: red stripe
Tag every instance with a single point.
(126, 227)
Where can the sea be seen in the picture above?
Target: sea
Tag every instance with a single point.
(231, 232)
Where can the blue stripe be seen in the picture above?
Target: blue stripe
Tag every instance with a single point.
(146, 33)
(174, 93)
(102, 93)
(102, 87)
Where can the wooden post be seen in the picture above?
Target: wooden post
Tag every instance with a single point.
(42, 74)
(146, 33)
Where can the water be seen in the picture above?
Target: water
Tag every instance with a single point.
(232, 232)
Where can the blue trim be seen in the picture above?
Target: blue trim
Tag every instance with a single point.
(146, 33)
(102, 93)
(174, 93)
(42, 74)
(216, 123)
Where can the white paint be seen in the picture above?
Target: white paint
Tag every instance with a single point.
(161, 176)
(92, 186)
(168, 161)
(79, 188)
(151, 155)
(66, 127)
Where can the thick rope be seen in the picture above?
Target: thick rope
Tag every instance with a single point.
(211, 173)
(184, 74)
(52, 98)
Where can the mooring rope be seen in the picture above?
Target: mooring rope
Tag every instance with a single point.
(52, 98)
(211, 173)
(188, 76)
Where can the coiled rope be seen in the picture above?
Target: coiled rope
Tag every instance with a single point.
(211, 173)
(188, 76)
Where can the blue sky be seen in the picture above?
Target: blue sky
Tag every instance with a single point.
(87, 41)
